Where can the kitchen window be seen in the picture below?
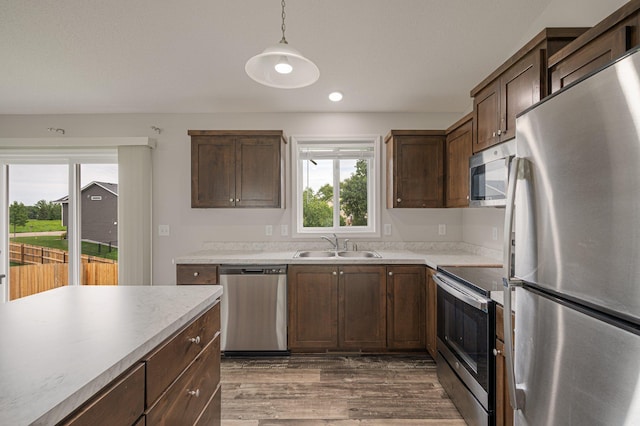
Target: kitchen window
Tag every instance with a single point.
(337, 181)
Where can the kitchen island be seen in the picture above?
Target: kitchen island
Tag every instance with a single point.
(62, 347)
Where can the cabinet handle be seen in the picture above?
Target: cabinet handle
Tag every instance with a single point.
(341, 272)
(335, 273)
(390, 273)
(195, 393)
(497, 352)
(399, 200)
(237, 200)
(195, 274)
(195, 340)
(231, 200)
(499, 132)
(494, 134)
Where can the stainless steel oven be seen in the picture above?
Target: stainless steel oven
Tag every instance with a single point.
(466, 335)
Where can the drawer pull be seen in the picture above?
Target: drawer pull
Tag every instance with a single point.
(195, 340)
(497, 352)
(195, 274)
(195, 393)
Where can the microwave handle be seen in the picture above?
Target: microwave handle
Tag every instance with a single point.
(516, 396)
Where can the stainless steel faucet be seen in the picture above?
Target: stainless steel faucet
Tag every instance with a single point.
(333, 242)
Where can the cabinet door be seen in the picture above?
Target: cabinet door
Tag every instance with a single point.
(313, 307)
(590, 57)
(486, 106)
(432, 314)
(362, 307)
(405, 307)
(419, 171)
(257, 173)
(458, 150)
(520, 87)
(213, 171)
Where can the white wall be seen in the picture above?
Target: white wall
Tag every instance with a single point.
(190, 228)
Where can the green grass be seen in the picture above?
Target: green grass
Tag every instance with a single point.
(90, 249)
(35, 225)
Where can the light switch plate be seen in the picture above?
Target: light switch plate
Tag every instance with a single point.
(387, 229)
(163, 230)
(268, 230)
(442, 229)
(284, 230)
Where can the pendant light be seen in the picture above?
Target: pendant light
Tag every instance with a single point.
(282, 66)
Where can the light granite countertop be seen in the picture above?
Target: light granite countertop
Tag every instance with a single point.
(431, 258)
(61, 346)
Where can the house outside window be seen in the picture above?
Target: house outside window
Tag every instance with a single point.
(337, 182)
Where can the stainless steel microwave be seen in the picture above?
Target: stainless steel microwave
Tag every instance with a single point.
(489, 175)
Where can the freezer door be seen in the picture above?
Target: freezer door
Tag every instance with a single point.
(574, 369)
(577, 214)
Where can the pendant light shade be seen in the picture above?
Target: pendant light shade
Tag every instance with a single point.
(282, 66)
(269, 68)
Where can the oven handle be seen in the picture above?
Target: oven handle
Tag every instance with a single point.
(516, 395)
(457, 292)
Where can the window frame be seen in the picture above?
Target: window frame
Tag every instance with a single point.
(372, 230)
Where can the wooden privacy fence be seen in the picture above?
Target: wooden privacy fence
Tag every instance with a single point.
(31, 279)
(28, 254)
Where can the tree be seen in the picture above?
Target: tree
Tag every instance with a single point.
(316, 212)
(353, 194)
(18, 215)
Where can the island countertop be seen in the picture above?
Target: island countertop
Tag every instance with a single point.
(62, 346)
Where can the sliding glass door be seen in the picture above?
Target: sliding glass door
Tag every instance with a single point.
(61, 223)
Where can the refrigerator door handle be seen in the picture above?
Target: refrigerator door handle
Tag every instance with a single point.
(516, 396)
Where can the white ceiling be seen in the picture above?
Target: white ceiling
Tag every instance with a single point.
(188, 56)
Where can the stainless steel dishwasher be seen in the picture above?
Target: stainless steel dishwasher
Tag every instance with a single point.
(253, 309)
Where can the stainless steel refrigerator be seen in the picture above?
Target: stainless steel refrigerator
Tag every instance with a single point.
(574, 210)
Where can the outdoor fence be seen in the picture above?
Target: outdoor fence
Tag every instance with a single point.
(28, 254)
(31, 279)
(45, 268)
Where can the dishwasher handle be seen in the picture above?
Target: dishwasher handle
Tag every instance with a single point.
(253, 270)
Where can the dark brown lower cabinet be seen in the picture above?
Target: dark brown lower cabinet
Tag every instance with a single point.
(405, 308)
(336, 308)
(504, 413)
(432, 314)
(362, 307)
(313, 307)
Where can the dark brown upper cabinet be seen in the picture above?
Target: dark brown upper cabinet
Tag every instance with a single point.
(457, 152)
(514, 86)
(415, 168)
(600, 45)
(237, 168)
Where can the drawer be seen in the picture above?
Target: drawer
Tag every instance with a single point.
(166, 363)
(211, 415)
(187, 274)
(187, 397)
(120, 403)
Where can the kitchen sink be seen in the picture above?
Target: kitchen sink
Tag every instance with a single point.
(358, 254)
(328, 254)
(315, 253)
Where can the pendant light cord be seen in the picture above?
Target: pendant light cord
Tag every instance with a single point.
(284, 40)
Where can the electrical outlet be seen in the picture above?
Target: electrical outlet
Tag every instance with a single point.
(268, 230)
(163, 230)
(387, 229)
(284, 230)
(442, 229)
(494, 233)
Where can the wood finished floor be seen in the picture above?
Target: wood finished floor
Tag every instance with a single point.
(334, 390)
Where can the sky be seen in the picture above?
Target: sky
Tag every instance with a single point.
(29, 184)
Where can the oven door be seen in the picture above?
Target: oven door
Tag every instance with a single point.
(464, 324)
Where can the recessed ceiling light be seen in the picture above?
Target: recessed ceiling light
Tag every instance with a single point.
(335, 96)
